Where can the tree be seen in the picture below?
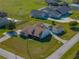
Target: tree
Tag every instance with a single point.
(73, 23)
(53, 23)
(11, 25)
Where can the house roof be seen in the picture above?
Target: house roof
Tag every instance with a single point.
(35, 30)
(51, 1)
(37, 13)
(63, 9)
(3, 14)
(3, 21)
(56, 11)
(28, 30)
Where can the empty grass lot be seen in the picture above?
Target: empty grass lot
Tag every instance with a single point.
(30, 48)
(19, 9)
(1, 57)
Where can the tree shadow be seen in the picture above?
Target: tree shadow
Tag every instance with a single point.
(46, 39)
(75, 28)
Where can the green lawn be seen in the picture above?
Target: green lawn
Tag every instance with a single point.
(1, 57)
(2, 31)
(72, 52)
(30, 48)
(19, 9)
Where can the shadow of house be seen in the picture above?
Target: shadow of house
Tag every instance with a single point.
(75, 28)
(38, 32)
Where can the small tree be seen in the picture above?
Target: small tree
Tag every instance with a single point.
(53, 23)
(73, 23)
(11, 25)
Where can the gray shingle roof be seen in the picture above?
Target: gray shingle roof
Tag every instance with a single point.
(3, 21)
(51, 1)
(63, 9)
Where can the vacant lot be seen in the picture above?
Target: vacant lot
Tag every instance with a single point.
(2, 57)
(19, 9)
(30, 48)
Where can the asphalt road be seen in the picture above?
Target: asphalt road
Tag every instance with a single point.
(64, 48)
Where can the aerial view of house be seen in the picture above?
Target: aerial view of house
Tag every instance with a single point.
(39, 29)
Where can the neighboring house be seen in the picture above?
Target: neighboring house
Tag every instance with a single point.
(52, 2)
(56, 11)
(37, 32)
(58, 30)
(3, 21)
(38, 14)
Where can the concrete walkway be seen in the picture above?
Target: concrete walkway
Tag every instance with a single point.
(9, 55)
(63, 20)
(15, 20)
(5, 37)
(63, 49)
(75, 5)
(55, 36)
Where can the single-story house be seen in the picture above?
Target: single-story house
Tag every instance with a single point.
(40, 32)
(37, 32)
(38, 14)
(50, 12)
(57, 11)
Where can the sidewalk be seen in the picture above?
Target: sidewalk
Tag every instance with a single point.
(9, 55)
(64, 48)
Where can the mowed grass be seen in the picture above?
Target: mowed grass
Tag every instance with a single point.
(1, 57)
(72, 52)
(2, 31)
(20, 9)
(30, 48)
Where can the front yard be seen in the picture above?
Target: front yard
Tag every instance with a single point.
(30, 48)
(1, 57)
